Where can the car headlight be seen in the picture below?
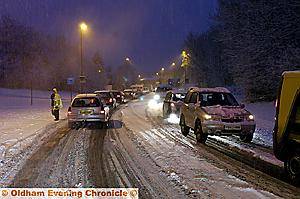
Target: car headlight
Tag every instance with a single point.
(156, 97)
(250, 117)
(207, 117)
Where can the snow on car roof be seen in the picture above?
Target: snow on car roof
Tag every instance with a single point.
(216, 89)
(86, 95)
(102, 91)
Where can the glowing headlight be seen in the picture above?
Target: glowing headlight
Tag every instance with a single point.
(251, 117)
(207, 117)
(156, 97)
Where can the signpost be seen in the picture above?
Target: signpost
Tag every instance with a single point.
(71, 81)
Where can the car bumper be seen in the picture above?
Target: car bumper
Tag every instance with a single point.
(223, 128)
(89, 118)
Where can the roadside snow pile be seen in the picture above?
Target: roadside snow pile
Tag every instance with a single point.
(20, 122)
(264, 113)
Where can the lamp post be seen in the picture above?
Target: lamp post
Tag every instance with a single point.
(83, 28)
(184, 64)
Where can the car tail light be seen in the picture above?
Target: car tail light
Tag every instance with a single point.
(69, 110)
(110, 100)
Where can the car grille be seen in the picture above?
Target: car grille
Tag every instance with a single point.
(233, 119)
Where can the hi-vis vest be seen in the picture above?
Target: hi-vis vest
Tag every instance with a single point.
(57, 102)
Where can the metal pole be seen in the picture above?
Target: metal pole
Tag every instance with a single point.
(81, 61)
(31, 102)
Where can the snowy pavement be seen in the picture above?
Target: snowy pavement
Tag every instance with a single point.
(21, 123)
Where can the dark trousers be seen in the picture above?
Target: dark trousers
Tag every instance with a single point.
(55, 113)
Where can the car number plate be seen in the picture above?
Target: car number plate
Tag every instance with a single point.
(236, 127)
(86, 112)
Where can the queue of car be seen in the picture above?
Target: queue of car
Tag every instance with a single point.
(96, 107)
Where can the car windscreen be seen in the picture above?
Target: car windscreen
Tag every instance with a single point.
(86, 102)
(214, 98)
(178, 96)
(103, 94)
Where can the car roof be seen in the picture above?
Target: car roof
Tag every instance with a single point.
(86, 95)
(214, 90)
(102, 91)
(295, 73)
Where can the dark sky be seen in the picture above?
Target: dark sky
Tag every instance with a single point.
(150, 32)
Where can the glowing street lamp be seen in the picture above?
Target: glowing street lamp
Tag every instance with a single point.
(83, 28)
(162, 69)
(173, 64)
(127, 59)
(157, 74)
(139, 76)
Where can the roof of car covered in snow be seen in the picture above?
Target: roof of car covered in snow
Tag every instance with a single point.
(86, 95)
(214, 90)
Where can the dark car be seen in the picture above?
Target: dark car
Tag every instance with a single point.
(108, 98)
(129, 94)
(119, 96)
(172, 102)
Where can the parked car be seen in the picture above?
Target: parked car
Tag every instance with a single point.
(108, 98)
(286, 134)
(119, 96)
(215, 111)
(87, 108)
(172, 102)
(129, 94)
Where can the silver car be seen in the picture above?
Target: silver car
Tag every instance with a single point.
(88, 108)
(215, 111)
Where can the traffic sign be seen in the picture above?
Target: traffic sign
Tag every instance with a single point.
(70, 80)
(82, 79)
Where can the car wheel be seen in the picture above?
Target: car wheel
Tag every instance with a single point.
(200, 136)
(184, 128)
(292, 167)
(246, 137)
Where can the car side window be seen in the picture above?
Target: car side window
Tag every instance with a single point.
(187, 97)
(193, 98)
(168, 96)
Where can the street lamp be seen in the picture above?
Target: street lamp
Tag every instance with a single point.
(127, 59)
(162, 69)
(173, 64)
(184, 64)
(83, 28)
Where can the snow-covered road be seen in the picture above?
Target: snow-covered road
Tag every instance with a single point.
(142, 150)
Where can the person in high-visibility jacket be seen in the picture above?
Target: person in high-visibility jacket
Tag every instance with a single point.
(56, 104)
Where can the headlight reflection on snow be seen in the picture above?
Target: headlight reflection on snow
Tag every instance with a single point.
(153, 104)
(156, 97)
(173, 118)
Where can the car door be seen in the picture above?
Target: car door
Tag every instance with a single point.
(191, 107)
